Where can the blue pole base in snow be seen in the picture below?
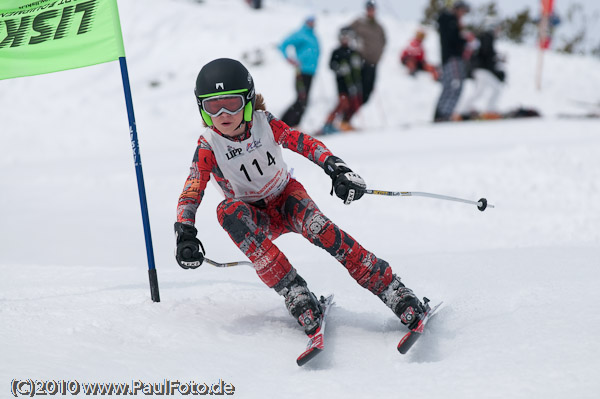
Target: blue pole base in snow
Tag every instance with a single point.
(140, 180)
(154, 285)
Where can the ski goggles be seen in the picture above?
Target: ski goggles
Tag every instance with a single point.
(228, 103)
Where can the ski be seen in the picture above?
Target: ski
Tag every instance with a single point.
(414, 334)
(316, 343)
(588, 115)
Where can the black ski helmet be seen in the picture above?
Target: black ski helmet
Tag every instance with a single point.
(225, 76)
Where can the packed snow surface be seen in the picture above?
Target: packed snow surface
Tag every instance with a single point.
(521, 314)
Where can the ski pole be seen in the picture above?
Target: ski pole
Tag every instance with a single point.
(187, 252)
(482, 204)
(228, 264)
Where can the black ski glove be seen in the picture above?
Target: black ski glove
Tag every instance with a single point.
(188, 252)
(347, 185)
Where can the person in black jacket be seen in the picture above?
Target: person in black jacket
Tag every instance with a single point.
(487, 72)
(346, 63)
(453, 46)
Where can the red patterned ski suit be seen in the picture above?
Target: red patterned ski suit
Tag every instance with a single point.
(254, 226)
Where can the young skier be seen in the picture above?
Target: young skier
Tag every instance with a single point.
(241, 149)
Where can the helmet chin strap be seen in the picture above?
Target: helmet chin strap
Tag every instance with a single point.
(245, 130)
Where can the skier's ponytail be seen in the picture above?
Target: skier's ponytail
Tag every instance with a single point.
(260, 105)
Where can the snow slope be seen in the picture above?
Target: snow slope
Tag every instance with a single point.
(519, 282)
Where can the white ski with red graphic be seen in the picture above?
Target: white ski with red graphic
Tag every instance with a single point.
(316, 342)
(414, 334)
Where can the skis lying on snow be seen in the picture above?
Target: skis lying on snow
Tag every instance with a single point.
(316, 344)
(414, 334)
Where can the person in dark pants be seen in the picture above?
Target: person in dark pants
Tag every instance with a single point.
(371, 41)
(453, 65)
(294, 113)
(306, 46)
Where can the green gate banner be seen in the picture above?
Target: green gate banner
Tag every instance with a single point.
(53, 35)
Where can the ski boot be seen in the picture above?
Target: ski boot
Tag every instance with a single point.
(403, 302)
(329, 128)
(346, 126)
(303, 305)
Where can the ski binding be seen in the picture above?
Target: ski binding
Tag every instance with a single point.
(414, 334)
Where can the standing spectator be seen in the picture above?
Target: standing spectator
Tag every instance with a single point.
(306, 46)
(346, 63)
(413, 57)
(371, 41)
(487, 72)
(453, 46)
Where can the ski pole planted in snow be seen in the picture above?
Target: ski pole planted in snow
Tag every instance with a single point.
(482, 204)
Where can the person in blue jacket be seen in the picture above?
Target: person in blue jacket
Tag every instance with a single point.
(305, 59)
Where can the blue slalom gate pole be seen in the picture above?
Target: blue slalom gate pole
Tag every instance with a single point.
(140, 181)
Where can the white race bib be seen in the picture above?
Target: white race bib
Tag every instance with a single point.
(254, 167)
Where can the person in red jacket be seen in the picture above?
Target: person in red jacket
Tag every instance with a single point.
(241, 148)
(413, 57)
